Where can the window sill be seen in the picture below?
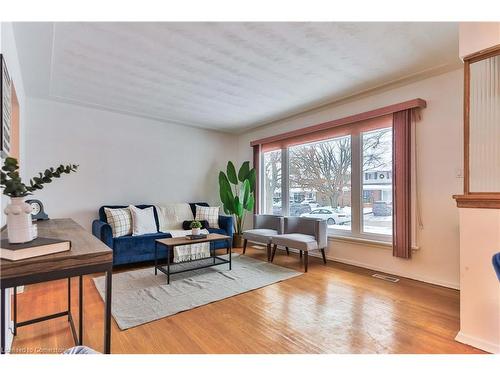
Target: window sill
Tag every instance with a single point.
(364, 241)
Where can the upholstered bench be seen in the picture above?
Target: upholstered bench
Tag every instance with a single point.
(265, 226)
(303, 234)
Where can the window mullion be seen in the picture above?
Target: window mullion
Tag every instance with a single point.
(356, 206)
(285, 183)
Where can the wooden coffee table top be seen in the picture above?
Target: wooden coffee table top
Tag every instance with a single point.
(178, 241)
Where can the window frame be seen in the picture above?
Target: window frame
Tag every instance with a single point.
(356, 231)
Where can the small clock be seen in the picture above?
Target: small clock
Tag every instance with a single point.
(37, 212)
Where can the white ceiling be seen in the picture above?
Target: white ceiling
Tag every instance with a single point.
(224, 76)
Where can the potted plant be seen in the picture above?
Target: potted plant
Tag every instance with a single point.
(237, 195)
(19, 225)
(195, 227)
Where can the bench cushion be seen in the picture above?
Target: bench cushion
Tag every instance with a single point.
(259, 235)
(297, 241)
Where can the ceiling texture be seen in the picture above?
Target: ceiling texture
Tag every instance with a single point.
(224, 76)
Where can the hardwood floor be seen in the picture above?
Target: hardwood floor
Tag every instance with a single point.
(332, 309)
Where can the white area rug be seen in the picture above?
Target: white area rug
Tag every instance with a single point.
(141, 297)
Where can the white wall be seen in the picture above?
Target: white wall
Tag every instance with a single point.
(8, 49)
(476, 36)
(123, 159)
(439, 144)
(479, 286)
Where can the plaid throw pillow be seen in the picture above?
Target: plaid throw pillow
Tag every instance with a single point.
(120, 221)
(210, 214)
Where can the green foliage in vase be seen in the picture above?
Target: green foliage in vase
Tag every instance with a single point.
(12, 185)
(237, 192)
(195, 224)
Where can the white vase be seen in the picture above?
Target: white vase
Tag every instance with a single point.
(19, 224)
(195, 231)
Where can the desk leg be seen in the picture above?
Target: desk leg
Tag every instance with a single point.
(2, 320)
(15, 312)
(69, 297)
(80, 311)
(107, 313)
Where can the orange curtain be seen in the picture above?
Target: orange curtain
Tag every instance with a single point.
(401, 155)
(256, 165)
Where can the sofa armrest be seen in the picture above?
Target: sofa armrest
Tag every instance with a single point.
(103, 231)
(226, 223)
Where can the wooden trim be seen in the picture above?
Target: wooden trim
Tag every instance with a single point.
(478, 200)
(466, 125)
(470, 59)
(483, 54)
(414, 103)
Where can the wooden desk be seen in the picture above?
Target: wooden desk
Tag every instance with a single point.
(87, 255)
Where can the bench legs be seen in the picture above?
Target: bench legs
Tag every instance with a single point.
(306, 260)
(323, 255)
(268, 252)
(274, 252)
(245, 245)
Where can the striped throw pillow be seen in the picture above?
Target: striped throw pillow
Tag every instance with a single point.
(210, 214)
(120, 221)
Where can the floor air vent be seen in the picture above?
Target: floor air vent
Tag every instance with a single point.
(392, 279)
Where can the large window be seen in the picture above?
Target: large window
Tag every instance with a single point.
(271, 173)
(377, 182)
(320, 181)
(344, 179)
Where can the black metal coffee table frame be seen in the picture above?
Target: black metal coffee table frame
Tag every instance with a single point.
(216, 260)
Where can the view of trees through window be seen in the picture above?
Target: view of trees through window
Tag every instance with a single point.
(377, 181)
(319, 181)
(271, 198)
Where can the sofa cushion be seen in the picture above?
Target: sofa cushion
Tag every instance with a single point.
(120, 221)
(143, 221)
(296, 241)
(210, 214)
(130, 249)
(259, 235)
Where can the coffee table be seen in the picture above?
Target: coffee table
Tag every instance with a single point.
(173, 268)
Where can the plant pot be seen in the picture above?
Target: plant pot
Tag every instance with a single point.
(19, 224)
(237, 240)
(195, 231)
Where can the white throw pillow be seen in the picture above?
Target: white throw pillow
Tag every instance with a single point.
(120, 221)
(210, 214)
(183, 212)
(143, 221)
(167, 219)
(172, 215)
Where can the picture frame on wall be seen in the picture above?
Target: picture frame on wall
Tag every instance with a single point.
(6, 110)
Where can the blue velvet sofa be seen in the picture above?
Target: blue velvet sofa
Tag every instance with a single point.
(134, 249)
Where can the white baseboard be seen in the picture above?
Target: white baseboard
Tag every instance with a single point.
(388, 271)
(478, 343)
